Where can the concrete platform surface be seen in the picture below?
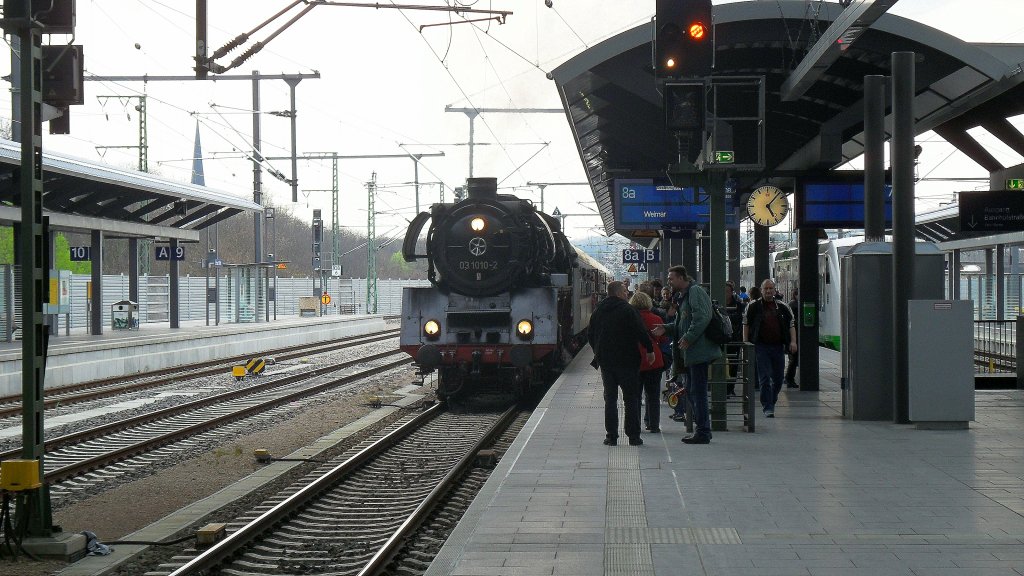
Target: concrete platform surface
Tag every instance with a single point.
(81, 357)
(808, 494)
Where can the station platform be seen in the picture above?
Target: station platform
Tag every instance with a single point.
(81, 357)
(808, 494)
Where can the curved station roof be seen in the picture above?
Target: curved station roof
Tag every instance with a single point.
(613, 104)
(82, 195)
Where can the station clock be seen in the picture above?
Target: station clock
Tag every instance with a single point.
(767, 205)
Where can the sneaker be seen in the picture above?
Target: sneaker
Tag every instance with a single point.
(791, 384)
(636, 441)
(654, 430)
(610, 442)
(769, 413)
(678, 417)
(696, 439)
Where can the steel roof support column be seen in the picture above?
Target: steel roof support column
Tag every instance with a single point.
(807, 329)
(173, 280)
(133, 270)
(761, 270)
(96, 298)
(718, 264)
(874, 158)
(903, 83)
(703, 275)
(988, 295)
(689, 255)
(733, 241)
(1000, 287)
(954, 274)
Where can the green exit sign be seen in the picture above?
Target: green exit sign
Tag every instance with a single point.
(1015, 184)
(725, 157)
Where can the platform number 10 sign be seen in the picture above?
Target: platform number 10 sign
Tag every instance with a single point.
(80, 253)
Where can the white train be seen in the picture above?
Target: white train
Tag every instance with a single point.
(783, 267)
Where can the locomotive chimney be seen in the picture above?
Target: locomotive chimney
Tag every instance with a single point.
(482, 188)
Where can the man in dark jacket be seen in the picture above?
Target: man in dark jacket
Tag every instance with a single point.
(615, 331)
(768, 324)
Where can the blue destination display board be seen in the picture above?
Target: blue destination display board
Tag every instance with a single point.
(835, 205)
(649, 205)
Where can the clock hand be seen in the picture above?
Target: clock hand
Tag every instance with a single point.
(770, 211)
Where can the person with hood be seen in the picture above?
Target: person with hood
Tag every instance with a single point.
(615, 332)
(698, 351)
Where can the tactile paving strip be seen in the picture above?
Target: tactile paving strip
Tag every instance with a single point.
(615, 535)
(625, 510)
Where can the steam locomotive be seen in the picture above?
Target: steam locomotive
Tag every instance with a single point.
(510, 297)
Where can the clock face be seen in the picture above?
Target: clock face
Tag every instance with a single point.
(767, 205)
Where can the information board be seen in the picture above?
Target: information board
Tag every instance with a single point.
(835, 205)
(991, 211)
(645, 204)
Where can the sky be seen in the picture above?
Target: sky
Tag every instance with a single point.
(383, 89)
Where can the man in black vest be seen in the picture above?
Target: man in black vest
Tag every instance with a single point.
(768, 324)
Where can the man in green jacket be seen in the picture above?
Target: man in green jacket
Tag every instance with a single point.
(698, 351)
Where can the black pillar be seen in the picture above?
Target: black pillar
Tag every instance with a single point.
(173, 273)
(902, 147)
(96, 254)
(133, 270)
(733, 241)
(807, 327)
(705, 260)
(1000, 275)
(874, 158)
(690, 255)
(761, 270)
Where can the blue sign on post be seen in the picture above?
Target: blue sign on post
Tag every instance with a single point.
(647, 205)
(164, 253)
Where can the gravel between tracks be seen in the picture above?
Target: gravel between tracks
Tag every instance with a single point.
(121, 510)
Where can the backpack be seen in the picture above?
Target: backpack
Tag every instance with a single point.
(719, 329)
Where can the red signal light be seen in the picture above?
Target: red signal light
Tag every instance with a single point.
(697, 30)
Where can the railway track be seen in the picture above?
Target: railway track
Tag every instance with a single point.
(352, 517)
(90, 450)
(10, 406)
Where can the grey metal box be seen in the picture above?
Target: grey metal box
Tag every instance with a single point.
(941, 363)
(866, 309)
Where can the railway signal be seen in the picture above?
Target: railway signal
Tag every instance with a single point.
(684, 45)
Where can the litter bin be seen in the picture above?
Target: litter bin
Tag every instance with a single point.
(123, 315)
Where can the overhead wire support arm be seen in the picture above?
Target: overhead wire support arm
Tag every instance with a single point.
(204, 63)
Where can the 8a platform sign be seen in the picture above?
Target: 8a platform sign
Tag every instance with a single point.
(640, 255)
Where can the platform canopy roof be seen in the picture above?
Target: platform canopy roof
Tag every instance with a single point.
(614, 106)
(78, 194)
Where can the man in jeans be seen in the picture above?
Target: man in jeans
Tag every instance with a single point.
(698, 351)
(768, 324)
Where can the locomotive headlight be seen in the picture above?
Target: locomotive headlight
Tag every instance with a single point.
(477, 224)
(524, 329)
(431, 328)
